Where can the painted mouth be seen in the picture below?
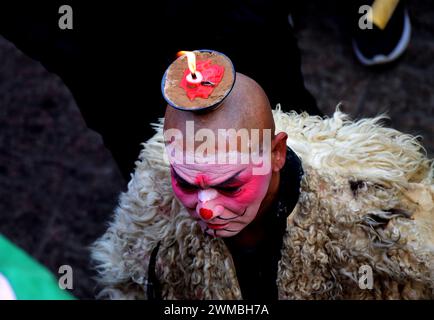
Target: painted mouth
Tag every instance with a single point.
(216, 226)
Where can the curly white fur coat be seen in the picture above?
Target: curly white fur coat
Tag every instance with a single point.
(366, 199)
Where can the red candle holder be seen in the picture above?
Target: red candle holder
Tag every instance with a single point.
(183, 92)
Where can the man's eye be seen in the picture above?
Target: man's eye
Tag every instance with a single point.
(229, 190)
(186, 186)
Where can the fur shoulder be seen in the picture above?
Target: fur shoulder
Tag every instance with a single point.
(367, 199)
(146, 214)
(149, 213)
(363, 149)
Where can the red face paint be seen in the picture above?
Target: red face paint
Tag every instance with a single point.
(201, 180)
(235, 201)
(217, 226)
(206, 213)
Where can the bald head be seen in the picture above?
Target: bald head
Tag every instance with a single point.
(225, 170)
(247, 106)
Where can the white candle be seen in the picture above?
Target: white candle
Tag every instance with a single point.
(196, 81)
(194, 77)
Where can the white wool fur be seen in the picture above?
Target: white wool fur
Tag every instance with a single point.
(366, 199)
(363, 149)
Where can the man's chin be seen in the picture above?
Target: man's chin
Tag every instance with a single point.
(221, 233)
(218, 231)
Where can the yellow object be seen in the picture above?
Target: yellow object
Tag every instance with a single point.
(382, 10)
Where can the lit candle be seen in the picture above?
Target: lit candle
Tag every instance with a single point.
(204, 77)
(194, 78)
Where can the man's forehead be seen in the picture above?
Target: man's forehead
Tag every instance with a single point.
(223, 144)
(207, 175)
(198, 170)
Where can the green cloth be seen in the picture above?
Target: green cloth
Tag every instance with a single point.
(28, 278)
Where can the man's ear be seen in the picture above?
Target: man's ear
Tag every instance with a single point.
(278, 151)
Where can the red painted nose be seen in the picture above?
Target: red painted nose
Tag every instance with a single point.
(206, 213)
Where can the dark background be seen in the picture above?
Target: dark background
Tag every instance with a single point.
(59, 184)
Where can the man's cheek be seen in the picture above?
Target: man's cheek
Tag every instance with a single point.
(253, 191)
(246, 198)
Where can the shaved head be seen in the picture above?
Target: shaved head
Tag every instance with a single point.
(247, 106)
(226, 196)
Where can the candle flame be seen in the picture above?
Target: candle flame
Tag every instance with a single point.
(191, 59)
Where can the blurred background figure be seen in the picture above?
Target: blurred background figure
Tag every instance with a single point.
(385, 34)
(6, 291)
(23, 278)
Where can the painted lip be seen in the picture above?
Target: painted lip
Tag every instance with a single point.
(216, 226)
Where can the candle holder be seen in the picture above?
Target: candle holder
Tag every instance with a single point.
(175, 86)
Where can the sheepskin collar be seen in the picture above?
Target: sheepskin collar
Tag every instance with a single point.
(366, 199)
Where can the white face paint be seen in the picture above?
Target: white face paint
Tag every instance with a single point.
(207, 195)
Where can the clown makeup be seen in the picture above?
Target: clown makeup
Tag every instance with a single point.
(223, 198)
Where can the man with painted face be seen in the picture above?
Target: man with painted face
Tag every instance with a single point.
(326, 198)
(230, 200)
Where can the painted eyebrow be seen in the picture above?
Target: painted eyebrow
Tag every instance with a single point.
(231, 179)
